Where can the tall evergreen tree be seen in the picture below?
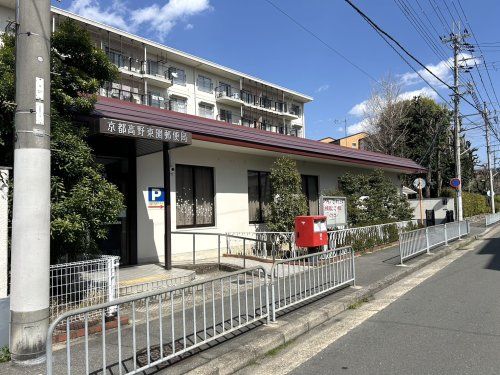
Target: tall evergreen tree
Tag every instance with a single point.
(83, 201)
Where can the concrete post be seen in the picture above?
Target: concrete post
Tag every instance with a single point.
(31, 207)
(4, 223)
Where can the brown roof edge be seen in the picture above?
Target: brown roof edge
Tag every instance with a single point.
(222, 132)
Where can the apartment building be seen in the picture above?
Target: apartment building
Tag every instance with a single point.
(190, 144)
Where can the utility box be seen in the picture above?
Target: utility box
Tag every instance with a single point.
(311, 231)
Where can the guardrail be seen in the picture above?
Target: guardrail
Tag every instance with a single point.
(298, 279)
(151, 328)
(419, 241)
(492, 219)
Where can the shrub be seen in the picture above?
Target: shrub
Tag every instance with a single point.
(288, 200)
(474, 204)
(381, 202)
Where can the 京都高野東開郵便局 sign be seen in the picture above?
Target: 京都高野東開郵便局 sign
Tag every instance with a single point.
(143, 131)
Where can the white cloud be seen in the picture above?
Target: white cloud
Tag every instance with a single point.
(442, 69)
(156, 17)
(424, 91)
(113, 15)
(189, 26)
(323, 88)
(358, 127)
(359, 109)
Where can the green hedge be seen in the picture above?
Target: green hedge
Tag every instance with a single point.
(474, 204)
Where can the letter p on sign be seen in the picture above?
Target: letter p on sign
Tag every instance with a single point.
(156, 195)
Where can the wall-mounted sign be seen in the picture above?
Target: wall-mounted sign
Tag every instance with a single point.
(335, 210)
(156, 197)
(135, 130)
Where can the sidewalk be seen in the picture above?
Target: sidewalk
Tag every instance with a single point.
(374, 272)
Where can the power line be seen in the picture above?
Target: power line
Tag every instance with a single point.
(327, 45)
(388, 36)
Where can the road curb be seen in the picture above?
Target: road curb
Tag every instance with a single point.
(276, 335)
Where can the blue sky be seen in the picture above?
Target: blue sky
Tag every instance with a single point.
(255, 38)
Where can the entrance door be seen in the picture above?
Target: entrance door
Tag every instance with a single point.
(116, 171)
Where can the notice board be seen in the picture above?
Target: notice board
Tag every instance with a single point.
(335, 210)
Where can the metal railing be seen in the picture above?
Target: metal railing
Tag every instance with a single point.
(298, 279)
(151, 328)
(419, 241)
(270, 245)
(492, 219)
(205, 236)
(82, 284)
(243, 246)
(376, 234)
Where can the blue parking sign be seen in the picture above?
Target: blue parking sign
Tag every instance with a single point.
(156, 197)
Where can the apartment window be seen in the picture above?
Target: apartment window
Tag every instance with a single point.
(204, 84)
(354, 145)
(206, 110)
(224, 88)
(247, 97)
(178, 76)
(310, 190)
(156, 100)
(295, 109)
(226, 115)
(194, 196)
(115, 57)
(259, 195)
(178, 104)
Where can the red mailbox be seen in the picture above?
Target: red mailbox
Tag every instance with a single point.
(310, 231)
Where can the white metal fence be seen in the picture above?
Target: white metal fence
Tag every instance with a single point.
(419, 241)
(492, 219)
(373, 234)
(151, 328)
(266, 245)
(82, 284)
(281, 245)
(298, 279)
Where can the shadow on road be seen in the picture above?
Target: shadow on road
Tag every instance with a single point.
(492, 248)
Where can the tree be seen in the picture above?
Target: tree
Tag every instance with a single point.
(83, 202)
(384, 118)
(288, 200)
(417, 128)
(373, 199)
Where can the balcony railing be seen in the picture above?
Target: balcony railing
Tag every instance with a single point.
(255, 124)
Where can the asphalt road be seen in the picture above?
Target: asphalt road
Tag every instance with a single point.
(449, 324)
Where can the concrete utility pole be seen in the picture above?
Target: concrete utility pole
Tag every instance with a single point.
(456, 41)
(488, 156)
(29, 301)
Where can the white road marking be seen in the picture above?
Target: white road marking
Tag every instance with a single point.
(314, 342)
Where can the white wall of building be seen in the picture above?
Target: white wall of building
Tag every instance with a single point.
(231, 195)
(439, 205)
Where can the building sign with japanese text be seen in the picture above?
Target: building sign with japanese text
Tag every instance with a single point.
(135, 130)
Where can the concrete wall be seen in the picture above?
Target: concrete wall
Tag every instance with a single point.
(436, 204)
(231, 200)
